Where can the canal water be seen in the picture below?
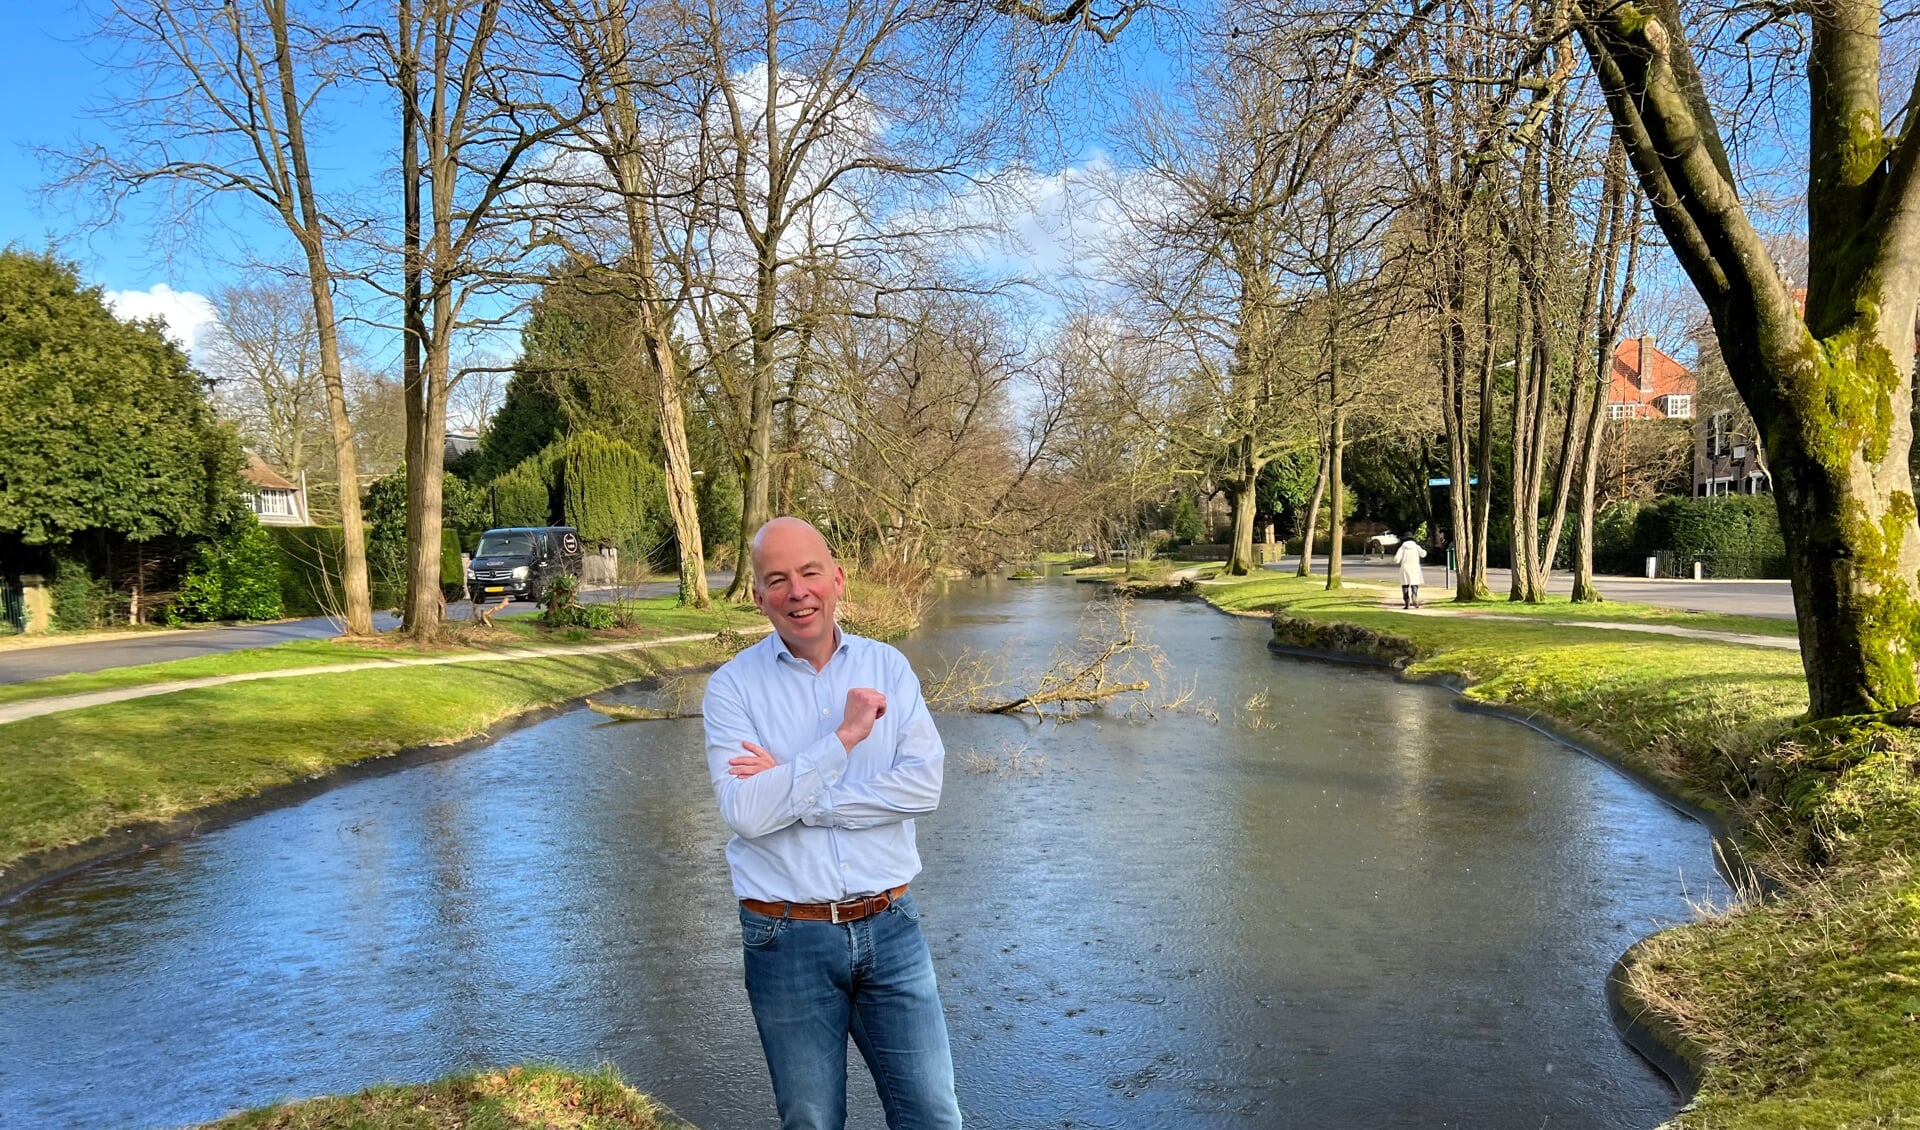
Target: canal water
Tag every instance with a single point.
(1343, 903)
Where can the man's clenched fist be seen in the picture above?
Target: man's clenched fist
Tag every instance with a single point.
(864, 707)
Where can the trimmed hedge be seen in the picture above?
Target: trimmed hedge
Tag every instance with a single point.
(310, 558)
(1732, 537)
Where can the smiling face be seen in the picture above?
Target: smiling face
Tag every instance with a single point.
(797, 585)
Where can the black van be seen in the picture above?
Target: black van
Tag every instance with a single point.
(520, 562)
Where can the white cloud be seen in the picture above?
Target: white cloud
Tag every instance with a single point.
(1052, 227)
(188, 315)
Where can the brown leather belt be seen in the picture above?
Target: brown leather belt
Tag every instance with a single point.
(852, 910)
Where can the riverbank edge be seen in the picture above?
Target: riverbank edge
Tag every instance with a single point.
(524, 1095)
(1647, 1032)
(37, 869)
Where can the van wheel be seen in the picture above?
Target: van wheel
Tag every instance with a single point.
(535, 596)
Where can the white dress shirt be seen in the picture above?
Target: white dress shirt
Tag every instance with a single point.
(824, 824)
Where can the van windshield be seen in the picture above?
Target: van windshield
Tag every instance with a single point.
(505, 545)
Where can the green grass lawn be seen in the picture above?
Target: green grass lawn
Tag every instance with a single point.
(1258, 592)
(76, 775)
(1804, 1007)
(516, 1098)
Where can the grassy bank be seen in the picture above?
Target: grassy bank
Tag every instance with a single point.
(78, 775)
(1803, 1009)
(518, 1098)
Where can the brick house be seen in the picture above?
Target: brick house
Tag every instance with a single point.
(1648, 385)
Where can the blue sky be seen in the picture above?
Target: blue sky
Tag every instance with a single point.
(51, 75)
(45, 79)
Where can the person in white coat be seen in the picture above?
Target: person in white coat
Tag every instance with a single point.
(1408, 557)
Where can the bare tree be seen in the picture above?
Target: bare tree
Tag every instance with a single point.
(645, 126)
(225, 90)
(1612, 290)
(473, 111)
(821, 107)
(264, 360)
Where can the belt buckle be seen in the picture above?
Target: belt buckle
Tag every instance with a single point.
(833, 912)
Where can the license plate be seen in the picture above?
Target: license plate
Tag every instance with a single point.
(497, 588)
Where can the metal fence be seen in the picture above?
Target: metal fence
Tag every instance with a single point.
(13, 606)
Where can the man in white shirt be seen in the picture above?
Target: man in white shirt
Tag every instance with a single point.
(822, 751)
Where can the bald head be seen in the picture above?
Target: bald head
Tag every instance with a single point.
(797, 586)
(785, 532)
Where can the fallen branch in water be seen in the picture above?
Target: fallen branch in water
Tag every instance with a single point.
(1110, 659)
(626, 712)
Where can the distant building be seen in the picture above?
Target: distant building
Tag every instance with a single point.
(460, 443)
(1726, 460)
(275, 501)
(1649, 385)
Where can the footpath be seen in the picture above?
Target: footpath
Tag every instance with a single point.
(1785, 643)
(36, 707)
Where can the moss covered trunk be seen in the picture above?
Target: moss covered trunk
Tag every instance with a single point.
(1240, 560)
(1830, 384)
(1845, 499)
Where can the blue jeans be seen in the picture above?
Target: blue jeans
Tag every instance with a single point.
(812, 984)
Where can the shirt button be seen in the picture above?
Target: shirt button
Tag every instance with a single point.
(843, 867)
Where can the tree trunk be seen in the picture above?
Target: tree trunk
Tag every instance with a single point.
(1312, 522)
(755, 508)
(1621, 227)
(413, 315)
(1336, 490)
(1519, 568)
(1243, 492)
(681, 499)
(1474, 576)
(355, 594)
(1584, 591)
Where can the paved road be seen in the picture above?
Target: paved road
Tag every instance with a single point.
(1772, 599)
(18, 666)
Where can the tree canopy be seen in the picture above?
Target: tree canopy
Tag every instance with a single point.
(107, 426)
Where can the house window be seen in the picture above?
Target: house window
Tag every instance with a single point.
(1621, 411)
(1679, 406)
(1739, 452)
(274, 504)
(1717, 434)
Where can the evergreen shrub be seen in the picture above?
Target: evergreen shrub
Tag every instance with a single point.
(522, 496)
(233, 577)
(79, 601)
(602, 487)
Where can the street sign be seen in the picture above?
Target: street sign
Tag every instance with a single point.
(1448, 481)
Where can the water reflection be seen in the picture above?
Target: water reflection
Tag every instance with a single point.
(1377, 911)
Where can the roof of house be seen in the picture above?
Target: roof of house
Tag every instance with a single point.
(259, 474)
(1669, 376)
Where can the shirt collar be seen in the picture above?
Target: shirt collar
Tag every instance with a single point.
(780, 650)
